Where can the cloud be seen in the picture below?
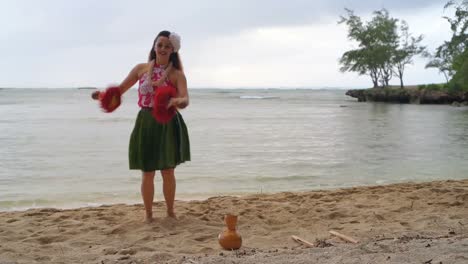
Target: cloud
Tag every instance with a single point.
(224, 43)
(82, 21)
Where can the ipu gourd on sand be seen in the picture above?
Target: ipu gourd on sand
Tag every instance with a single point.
(229, 239)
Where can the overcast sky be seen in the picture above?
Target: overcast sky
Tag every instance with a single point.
(225, 44)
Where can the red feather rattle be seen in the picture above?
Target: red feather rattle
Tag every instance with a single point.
(109, 99)
(162, 96)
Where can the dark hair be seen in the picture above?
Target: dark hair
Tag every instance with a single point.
(174, 57)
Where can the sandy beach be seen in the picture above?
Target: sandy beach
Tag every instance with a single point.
(399, 223)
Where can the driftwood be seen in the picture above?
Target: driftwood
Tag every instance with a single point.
(344, 237)
(302, 241)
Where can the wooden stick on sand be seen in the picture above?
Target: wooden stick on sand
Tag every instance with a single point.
(344, 237)
(302, 241)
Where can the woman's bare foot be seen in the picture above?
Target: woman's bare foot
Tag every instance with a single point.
(149, 218)
(171, 214)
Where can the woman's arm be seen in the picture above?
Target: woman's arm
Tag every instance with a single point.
(182, 99)
(132, 78)
(129, 81)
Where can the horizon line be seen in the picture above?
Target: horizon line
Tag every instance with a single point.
(208, 88)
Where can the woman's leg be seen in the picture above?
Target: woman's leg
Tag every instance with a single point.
(147, 193)
(169, 188)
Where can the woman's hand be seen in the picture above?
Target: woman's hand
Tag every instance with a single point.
(177, 102)
(172, 102)
(95, 95)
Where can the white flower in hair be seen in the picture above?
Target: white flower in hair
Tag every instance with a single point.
(174, 38)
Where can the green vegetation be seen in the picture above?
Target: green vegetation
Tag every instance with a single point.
(433, 87)
(451, 58)
(385, 47)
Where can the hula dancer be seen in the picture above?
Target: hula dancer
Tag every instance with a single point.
(159, 140)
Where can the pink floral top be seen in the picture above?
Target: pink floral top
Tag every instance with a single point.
(146, 89)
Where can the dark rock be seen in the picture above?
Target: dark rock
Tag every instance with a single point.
(407, 95)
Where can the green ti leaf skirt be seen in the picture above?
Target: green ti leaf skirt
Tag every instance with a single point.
(156, 146)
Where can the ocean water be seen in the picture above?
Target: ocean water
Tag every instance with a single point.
(57, 149)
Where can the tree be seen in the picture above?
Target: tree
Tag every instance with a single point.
(451, 56)
(442, 64)
(460, 78)
(358, 60)
(409, 47)
(374, 44)
(383, 30)
(381, 51)
(361, 61)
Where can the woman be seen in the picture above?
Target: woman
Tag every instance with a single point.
(156, 145)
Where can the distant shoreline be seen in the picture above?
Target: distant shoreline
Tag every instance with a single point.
(204, 88)
(49, 88)
(409, 95)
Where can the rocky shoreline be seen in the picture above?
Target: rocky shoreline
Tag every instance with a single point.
(409, 96)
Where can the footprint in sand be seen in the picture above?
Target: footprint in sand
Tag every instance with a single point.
(119, 214)
(107, 218)
(79, 244)
(41, 259)
(145, 239)
(36, 234)
(455, 217)
(85, 216)
(89, 228)
(372, 197)
(50, 239)
(463, 197)
(335, 215)
(34, 214)
(61, 218)
(413, 197)
(160, 257)
(246, 211)
(404, 223)
(203, 238)
(360, 206)
(195, 213)
(128, 251)
(327, 200)
(117, 230)
(144, 249)
(379, 217)
(436, 190)
(72, 232)
(109, 251)
(204, 218)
